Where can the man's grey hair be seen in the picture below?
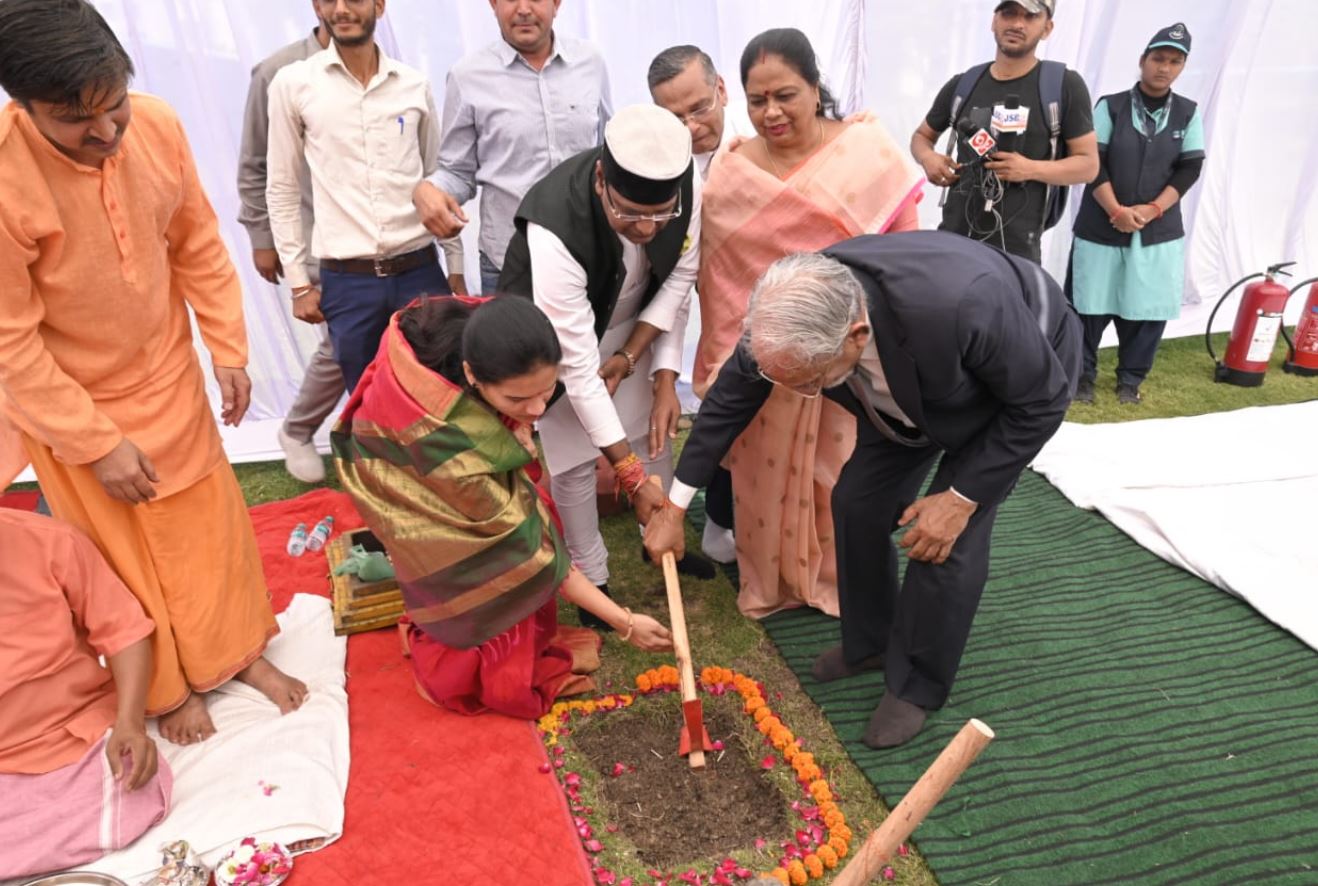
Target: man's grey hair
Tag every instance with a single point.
(801, 309)
(673, 61)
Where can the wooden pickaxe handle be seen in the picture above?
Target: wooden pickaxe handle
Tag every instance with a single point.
(882, 844)
(682, 646)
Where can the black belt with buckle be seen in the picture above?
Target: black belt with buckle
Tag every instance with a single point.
(387, 266)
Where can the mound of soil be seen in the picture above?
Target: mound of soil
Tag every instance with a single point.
(672, 813)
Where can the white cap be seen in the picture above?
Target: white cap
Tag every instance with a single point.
(647, 151)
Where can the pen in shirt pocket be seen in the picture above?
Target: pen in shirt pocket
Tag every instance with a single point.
(400, 124)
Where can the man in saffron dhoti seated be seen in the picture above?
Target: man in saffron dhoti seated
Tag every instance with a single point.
(435, 449)
(106, 241)
(804, 182)
(78, 774)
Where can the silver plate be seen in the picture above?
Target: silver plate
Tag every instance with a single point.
(77, 878)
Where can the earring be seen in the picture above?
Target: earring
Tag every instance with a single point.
(819, 107)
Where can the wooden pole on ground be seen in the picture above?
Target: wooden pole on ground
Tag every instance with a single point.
(882, 844)
(686, 671)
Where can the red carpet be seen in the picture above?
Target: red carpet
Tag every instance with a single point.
(433, 797)
(19, 501)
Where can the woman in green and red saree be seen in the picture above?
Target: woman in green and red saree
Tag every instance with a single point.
(435, 448)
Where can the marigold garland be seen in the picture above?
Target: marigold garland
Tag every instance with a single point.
(815, 850)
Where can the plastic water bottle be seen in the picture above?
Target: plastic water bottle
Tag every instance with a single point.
(320, 534)
(297, 540)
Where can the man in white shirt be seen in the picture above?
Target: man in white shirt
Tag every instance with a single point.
(367, 128)
(608, 244)
(683, 80)
(513, 110)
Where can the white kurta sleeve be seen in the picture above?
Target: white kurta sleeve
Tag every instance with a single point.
(668, 346)
(559, 289)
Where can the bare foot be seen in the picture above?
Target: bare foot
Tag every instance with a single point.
(188, 723)
(286, 692)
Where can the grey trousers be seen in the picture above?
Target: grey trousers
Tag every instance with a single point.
(322, 386)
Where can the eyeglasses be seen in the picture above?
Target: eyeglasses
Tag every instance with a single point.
(809, 391)
(656, 217)
(699, 113)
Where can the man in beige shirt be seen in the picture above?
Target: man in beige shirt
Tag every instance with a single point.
(367, 128)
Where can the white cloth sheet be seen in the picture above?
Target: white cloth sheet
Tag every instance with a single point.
(218, 795)
(1227, 496)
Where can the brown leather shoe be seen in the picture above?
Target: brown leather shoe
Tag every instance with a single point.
(830, 665)
(894, 722)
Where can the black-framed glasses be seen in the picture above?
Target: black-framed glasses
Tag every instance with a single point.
(655, 217)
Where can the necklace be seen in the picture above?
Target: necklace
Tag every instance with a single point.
(774, 163)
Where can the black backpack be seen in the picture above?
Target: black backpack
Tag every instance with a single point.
(1051, 75)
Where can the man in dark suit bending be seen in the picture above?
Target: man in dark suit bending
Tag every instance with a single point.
(946, 351)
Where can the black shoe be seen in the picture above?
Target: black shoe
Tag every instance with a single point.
(830, 665)
(894, 722)
(590, 619)
(691, 564)
(1129, 394)
(1084, 392)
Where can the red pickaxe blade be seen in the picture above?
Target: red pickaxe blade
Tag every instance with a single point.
(693, 723)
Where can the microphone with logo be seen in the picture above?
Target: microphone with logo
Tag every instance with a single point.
(1008, 123)
(977, 138)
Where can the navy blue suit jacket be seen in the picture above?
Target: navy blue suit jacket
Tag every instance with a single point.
(981, 351)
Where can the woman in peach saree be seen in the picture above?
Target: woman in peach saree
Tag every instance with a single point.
(805, 182)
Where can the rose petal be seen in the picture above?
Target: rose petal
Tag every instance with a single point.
(889, 874)
(760, 842)
(605, 877)
(611, 828)
(768, 762)
(743, 873)
(594, 846)
(558, 764)
(544, 768)
(717, 745)
(618, 769)
(572, 779)
(903, 851)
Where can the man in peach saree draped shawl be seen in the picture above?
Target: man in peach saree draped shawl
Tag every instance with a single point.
(444, 483)
(784, 465)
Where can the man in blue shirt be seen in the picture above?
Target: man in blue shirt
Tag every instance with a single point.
(513, 110)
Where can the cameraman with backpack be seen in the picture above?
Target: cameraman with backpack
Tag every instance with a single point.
(1024, 132)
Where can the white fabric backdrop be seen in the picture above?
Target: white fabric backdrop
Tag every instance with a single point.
(1250, 67)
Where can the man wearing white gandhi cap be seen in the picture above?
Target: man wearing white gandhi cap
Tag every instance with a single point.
(608, 245)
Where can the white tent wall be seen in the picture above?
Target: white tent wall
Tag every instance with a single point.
(1250, 68)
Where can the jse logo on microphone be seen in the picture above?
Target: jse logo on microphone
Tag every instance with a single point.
(1008, 120)
(981, 143)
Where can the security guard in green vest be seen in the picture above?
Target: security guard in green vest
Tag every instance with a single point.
(1128, 259)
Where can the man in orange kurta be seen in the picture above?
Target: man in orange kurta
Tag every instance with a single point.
(78, 774)
(106, 241)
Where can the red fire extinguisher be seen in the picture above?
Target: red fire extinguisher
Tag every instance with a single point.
(1302, 356)
(1254, 335)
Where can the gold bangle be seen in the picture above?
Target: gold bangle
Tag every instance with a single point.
(631, 361)
(631, 625)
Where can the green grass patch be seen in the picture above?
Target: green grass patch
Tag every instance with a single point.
(1181, 383)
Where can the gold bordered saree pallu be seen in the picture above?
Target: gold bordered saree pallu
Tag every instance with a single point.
(448, 489)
